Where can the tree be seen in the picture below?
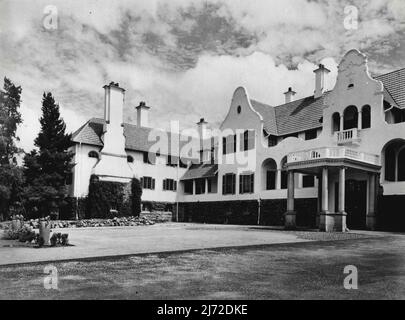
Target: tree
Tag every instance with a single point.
(10, 174)
(136, 194)
(10, 118)
(47, 170)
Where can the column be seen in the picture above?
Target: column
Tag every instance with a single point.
(319, 202)
(339, 219)
(290, 191)
(342, 179)
(278, 179)
(359, 121)
(323, 216)
(370, 219)
(290, 222)
(341, 122)
(325, 193)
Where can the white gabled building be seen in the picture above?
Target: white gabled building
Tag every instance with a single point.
(333, 160)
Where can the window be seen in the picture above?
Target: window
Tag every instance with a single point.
(212, 185)
(149, 158)
(229, 144)
(199, 186)
(228, 183)
(239, 109)
(148, 183)
(93, 154)
(205, 156)
(310, 134)
(270, 180)
(284, 179)
(350, 118)
(272, 141)
(247, 141)
(188, 186)
(130, 159)
(308, 181)
(366, 117)
(172, 161)
(169, 184)
(350, 86)
(246, 183)
(335, 122)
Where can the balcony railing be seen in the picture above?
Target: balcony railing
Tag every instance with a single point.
(333, 153)
(347, 136)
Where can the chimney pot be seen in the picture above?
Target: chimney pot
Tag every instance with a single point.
(142, 114)
(289, 95)
(320, 75)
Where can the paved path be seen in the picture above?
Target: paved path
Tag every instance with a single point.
(115, 241)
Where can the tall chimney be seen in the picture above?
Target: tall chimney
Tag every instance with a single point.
(142, 112)
(113, 103)
(289, 95)
(320, 74)
(203, 136)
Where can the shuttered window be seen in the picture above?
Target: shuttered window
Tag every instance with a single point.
(229, 183)
(246, 183)
(148, 183)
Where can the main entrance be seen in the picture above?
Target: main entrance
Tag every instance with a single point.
(355, 203)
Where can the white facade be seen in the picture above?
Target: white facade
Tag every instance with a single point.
(346, 148)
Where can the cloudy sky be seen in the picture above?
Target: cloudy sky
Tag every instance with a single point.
(184, 58)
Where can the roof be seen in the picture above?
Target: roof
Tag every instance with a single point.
(136, 138)
(305, 114)
(200, 171)
(394, 84)
(299, 115)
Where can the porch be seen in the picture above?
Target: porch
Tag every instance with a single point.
(338, 169)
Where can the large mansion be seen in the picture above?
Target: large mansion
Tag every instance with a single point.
(333, 160)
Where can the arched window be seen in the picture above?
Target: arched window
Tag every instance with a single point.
(401, 165)
(366, 117)
(130, 159)
(93, 154)
(269, 174)
(350, 117)
(335, 122)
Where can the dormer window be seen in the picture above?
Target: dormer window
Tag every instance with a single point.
(93, 154)
(130, 159)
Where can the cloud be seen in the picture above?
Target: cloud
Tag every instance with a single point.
(184, 58)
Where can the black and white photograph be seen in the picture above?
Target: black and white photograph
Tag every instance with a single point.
(202, 154)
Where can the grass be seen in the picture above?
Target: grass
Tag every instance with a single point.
(310, 270)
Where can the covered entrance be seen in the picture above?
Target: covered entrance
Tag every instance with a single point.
(348, 182)
(355, 203)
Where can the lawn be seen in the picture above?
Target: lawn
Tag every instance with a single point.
(303, 270)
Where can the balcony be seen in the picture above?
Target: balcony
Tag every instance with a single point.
(333, 153)
(347, 136)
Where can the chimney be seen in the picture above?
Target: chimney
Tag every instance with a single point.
(113, 104)
(202, 129)
(142, 112)
(289, 95)
(320, 74)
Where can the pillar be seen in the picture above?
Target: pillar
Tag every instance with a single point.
(290, 215)
(341, 122)
(342, 179)
(370, 219)
(325, 200)
(278, 179)
(319, 202)
(359, 121)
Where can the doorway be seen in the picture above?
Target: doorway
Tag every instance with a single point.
(355, 203)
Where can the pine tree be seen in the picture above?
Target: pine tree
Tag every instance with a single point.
(10, 174)
(10, 118)
(47, 170)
